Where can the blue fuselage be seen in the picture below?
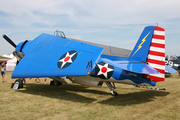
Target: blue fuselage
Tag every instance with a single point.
(107, 71)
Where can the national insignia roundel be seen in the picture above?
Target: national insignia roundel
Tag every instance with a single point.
(67, 59)
(104, 70)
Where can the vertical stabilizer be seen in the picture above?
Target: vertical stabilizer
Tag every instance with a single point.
(150, 48)
(141, 49)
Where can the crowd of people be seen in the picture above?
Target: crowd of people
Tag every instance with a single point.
(24, 80)
(3, 71)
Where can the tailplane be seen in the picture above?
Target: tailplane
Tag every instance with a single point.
(150, 48)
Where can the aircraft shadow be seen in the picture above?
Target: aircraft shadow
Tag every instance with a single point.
(67, 92)
(134, 98)
(64, 92)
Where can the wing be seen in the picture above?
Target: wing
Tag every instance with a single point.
(52, 56)
(136, 67)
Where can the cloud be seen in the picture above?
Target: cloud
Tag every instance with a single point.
(87, 13)
(94, 21)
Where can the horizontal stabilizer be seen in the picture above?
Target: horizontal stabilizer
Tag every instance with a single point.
(52, 56)
(169, 69)
(137, 67)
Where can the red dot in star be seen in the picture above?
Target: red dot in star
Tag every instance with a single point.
(104, 69)
(67, 58)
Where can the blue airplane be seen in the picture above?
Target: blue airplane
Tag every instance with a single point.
(59, 58)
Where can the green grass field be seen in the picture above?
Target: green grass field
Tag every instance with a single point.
(44, 102)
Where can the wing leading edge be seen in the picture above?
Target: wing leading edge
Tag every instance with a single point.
(52, 56)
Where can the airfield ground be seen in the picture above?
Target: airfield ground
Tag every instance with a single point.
(44, 102)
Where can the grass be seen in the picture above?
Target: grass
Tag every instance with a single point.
(44, 102)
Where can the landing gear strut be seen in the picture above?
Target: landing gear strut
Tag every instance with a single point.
(111, 88)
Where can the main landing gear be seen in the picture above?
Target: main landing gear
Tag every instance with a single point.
(111, 88)
(18, 84)
(55, 83)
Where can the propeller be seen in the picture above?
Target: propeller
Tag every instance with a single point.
(9, 40)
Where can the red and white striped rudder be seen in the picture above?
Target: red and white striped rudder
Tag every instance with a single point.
(156, 55)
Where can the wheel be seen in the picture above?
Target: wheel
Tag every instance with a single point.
(19, 83)
(114, 93)
(56, 83)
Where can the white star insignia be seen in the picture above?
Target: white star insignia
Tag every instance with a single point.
(66, 59)
(104, 70)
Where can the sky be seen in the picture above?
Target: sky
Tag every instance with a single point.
(116, 23)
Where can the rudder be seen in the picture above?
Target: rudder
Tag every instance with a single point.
(156, 55)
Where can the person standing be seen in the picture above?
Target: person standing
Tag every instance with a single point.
(45, 80)
(3, 70)
(24, 80)
(36, 80)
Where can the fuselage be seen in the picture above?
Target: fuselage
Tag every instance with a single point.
(105, 72)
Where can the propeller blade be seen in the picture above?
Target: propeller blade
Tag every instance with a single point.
(9, 40)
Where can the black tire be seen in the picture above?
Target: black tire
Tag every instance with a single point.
(114, 93)
(56, 83)
(20, 82)
(52, 83)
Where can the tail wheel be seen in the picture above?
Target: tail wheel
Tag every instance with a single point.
(114, 93)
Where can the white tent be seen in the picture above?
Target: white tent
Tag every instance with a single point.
(11, 64)
(8, 56)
